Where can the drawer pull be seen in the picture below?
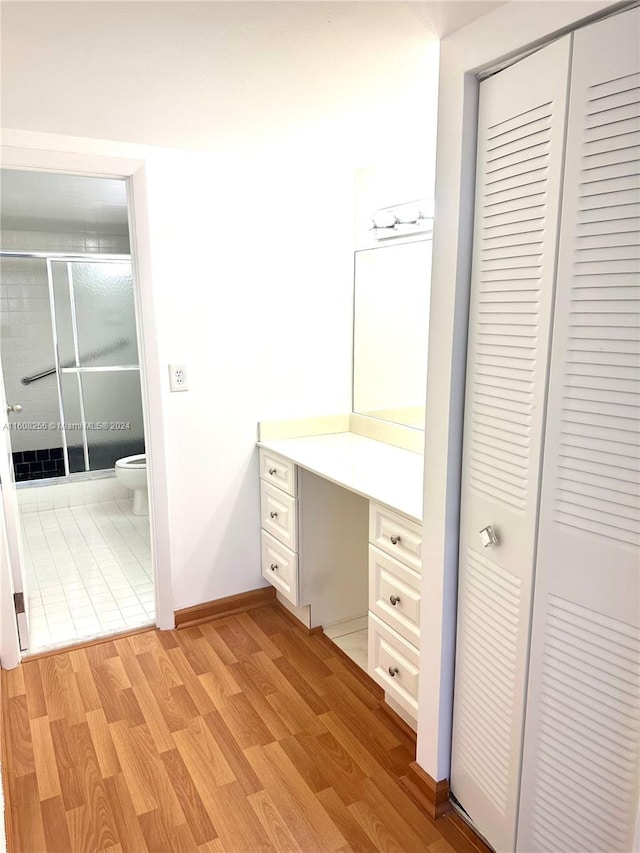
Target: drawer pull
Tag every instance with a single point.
(394, 599)
(274, 567)
(273, 514)
(272, 471)
(393, 671)
(394, 540)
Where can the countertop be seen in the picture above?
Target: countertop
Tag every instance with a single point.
(379, 472)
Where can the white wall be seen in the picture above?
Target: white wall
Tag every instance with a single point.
(250, 247)
(202, 74)
(247, 280)
(252, 271)
(252, 287)
(251, 268)
(502, 33)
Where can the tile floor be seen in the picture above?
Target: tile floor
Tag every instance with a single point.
(352, 637)
(88, 572)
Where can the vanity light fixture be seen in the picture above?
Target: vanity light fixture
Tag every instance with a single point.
(402, 220)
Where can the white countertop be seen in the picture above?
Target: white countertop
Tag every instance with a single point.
(373, 469)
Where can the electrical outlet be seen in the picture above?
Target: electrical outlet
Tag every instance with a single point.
(178, 377)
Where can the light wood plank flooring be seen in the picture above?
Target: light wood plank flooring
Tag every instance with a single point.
(242, 734)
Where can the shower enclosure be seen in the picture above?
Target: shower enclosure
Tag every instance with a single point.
(70, 358)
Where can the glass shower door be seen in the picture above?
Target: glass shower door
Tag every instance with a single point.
(28, 358)
(94, 319)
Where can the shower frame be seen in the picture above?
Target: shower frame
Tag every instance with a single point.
(69, 259)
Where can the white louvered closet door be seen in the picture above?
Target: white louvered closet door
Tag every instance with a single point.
(520, 150)
(581, 760)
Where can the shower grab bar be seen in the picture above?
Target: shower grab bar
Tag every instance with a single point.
(107, 350)
(28, 379)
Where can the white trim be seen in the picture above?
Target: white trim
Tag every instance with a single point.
(110, 368)
(9, 641)
(616, 7)
(152, 380)
(84, 257)
(53, 153)
(505, 32)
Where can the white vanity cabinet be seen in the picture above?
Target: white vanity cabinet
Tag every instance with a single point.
(279, 522)
(341, 542)
(394, 605)
(314, 542)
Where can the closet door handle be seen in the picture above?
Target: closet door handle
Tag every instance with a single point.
(394, 599)
(273, 514)
(393, 671)
(488, 536)
(394, 539)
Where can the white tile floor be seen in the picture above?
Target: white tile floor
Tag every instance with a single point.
(88, 572)
(352, 637)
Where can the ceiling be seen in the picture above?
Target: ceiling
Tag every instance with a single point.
(190, 74)
(38, 201)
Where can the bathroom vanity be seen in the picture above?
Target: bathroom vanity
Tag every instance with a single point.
(341, 497)
(341, 540)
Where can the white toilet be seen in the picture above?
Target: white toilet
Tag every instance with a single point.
(132, 473)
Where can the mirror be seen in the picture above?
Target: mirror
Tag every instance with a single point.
(390, 332)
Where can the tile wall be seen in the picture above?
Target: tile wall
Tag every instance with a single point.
(27, 347)
(64, 241)
(25, 329)
(38, 464)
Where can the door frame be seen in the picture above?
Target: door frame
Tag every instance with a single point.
(11, 520)
(9, 642)
(73, 155)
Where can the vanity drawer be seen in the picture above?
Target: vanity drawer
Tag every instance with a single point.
(280, 567)
(278, 471)
(393, 663)
(394, 594)
(279, 515)
(396, 535)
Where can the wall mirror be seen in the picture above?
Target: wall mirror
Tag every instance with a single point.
(390, 332)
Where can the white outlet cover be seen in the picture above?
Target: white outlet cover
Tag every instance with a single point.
(178, 377)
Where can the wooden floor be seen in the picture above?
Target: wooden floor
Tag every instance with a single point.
(242, 734)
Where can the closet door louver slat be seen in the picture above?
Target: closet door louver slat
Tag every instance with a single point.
(520, 149)
(582, 740)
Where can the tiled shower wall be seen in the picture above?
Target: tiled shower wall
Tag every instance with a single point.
(38, 464)
(25, 327)
(27, 347)
(64, 241)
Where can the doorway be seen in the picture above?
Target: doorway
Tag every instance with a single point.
(69, 348)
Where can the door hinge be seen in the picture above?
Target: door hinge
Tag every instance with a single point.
(18, 602)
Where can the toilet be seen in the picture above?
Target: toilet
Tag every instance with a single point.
(132, 473)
